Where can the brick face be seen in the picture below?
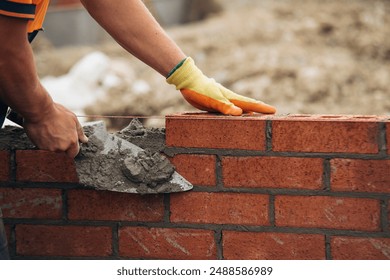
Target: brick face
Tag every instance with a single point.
(45, 166)
(104, 205)
(66, 241)
(272, 172)
(197, 169)
(220, 208)
(4, 166)
(31, 203)
(220, 132)
(388, 136)
(272, 246)
(325, 135)
(354, 248)
(328, 212)
(166, 243)
(360, 175)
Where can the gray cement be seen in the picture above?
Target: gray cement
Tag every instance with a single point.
(152, 139)
(111, 162)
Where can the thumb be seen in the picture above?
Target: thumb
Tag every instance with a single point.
(80, 132)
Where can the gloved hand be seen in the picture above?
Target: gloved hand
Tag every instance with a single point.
(208, 95)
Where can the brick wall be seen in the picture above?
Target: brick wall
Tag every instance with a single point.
(266, 187)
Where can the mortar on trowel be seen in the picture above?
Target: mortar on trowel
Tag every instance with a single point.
(109, 162)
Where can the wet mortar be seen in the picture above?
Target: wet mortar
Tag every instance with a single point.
(130, 160)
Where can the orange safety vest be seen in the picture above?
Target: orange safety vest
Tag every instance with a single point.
(33, 10)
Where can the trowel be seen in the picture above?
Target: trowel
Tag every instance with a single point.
(109, 162)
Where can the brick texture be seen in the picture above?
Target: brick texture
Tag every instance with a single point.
(325, 135)
(166, 243)
(100, 205)
(272, 172)
(272, 246)
(197, 169)
(360, 175)
(65, 241)
(328, 212)
(388, 136)
(31, 203)
(4, 166)
(45, 166)
(354, 248)
(220, 208)
(220, 132)
(8, 233)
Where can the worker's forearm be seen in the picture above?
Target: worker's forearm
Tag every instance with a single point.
(20, 87)
(130, 23)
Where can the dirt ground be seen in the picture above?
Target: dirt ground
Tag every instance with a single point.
(302, 56)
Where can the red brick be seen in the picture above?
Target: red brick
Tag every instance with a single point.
(357, 248)
(272, 246)
(64, 241)
(272, 172)
(215, 131)
(104, 205)
(360, 175)
(166, 243)
(325, 134)
(44, 166)
(220, 208)
(388, 136)
(8, 233)
(4, 166)
(197, 169)
(327, 212)
(388, 215)
(31, 203)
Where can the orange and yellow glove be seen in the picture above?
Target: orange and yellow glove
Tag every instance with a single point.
(206, 94)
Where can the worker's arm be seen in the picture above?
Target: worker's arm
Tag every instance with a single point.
(49, 126)
(130, 23)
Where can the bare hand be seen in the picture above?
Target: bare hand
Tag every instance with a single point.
(58, 131)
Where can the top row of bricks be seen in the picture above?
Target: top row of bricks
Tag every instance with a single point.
(290, 133)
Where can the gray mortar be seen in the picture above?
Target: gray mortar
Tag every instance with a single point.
(14, 138)
(109, 162)
(152, 139)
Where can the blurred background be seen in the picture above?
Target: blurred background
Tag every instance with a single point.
(302, 56)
